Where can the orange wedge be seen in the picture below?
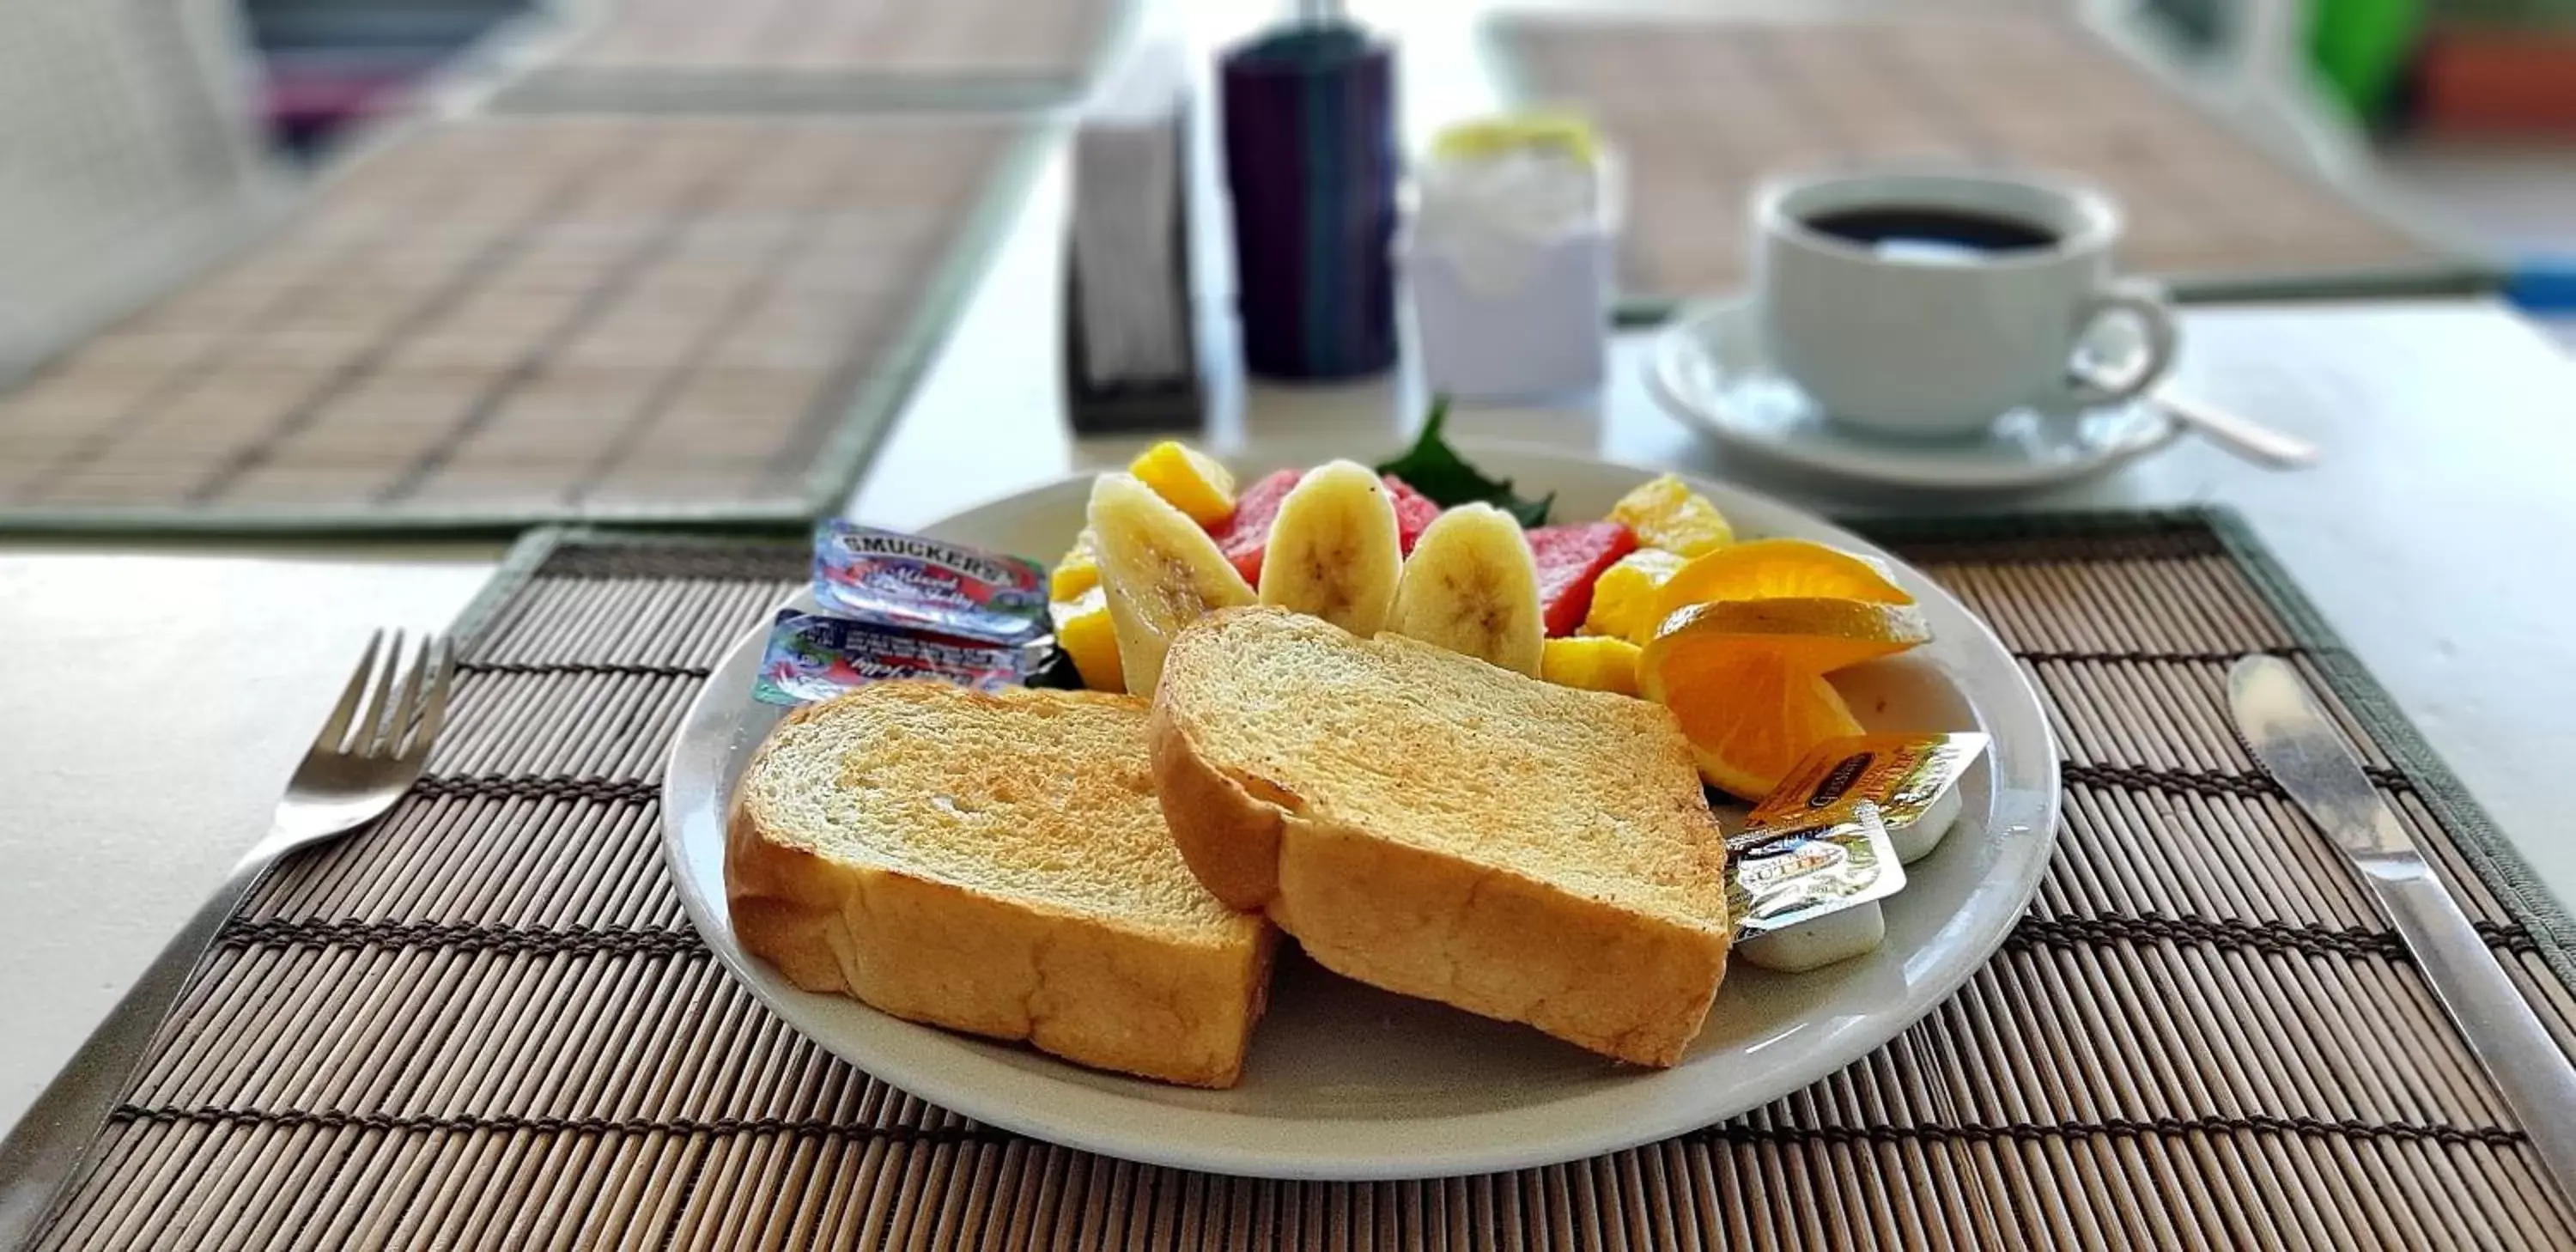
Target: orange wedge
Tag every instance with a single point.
(1746, 678)
(1751, 720)
(1812, 635)
(1771, 569)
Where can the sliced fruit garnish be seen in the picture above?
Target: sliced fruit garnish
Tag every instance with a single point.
(1414, 511)
(1470, 586)
(1749, 717)
(1192, 480)
(1812, 635)
(1592, 662)
(1623, 598)
(1159, 571)
(1437, 470)
(1334, 551)
(1078, 572)
(1245, 537)
(1667, 514)
(1570, 560)
(1746, 678)
(1083, 630)
(1770, 569)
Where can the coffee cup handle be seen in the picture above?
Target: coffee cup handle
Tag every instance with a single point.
(2143, 303)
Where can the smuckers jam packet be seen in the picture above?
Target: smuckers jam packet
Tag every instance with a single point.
(889, 578)
(1778, 877)
(811, 657)
(1903, 775)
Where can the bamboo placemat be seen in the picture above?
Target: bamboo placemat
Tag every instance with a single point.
(1705, 110)
(485, 1023)
(501, 320)
(768, 54)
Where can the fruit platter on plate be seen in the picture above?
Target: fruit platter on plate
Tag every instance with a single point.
(1656, 599)
(1431, 815)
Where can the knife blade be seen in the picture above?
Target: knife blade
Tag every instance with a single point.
(2290, 735)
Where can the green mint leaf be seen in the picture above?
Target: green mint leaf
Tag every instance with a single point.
(1436, 470)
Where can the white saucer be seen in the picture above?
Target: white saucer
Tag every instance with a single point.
(1711, 371)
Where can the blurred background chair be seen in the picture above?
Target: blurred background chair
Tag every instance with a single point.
(127, 158)
(330, 64)
(129, 155)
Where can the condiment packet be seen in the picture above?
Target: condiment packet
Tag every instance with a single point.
(889, 578)
(812, 657)
(1820, 843)
(1779, 876)
(1902, 775)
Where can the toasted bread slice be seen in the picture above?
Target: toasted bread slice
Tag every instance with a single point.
(993, 863)
(1431, 824)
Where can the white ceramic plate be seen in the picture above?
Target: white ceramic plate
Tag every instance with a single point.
(1710, 370)
(1347, 1082)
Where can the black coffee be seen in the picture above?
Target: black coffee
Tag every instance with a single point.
(1947, 229)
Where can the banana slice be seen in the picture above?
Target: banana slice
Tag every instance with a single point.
(1471, 586)
(1333, 549)
(1159, 570)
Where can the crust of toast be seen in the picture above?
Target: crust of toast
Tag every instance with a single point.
(1093, 990)
(1425, 922)
(1229, 836)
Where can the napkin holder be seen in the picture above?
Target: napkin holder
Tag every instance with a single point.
(1130, 336)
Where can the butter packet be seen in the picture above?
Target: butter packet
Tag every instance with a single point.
(811, 657)
(1781, 876)
(1904, 775)
(1911, 778)
(889, 578)
(1832, 840)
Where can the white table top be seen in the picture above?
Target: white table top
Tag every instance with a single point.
(156, 698)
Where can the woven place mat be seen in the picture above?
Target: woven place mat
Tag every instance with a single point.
(497, 321)
(1703, 111)
(485, 1023)
(767, 54)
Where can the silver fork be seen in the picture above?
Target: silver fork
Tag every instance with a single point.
(368, 754)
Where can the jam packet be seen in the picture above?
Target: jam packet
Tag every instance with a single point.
(812, 657)
(889, 578)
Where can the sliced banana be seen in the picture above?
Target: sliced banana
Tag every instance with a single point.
(1160, 572)
(1333, 550)
(1471, 586)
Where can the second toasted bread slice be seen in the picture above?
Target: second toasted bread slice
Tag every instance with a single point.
(1431, 824)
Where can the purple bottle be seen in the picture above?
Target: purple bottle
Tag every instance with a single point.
(1310, 161)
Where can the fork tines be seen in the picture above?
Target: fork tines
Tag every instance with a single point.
(395, 701)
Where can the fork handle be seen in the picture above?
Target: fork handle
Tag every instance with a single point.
(49, 1146)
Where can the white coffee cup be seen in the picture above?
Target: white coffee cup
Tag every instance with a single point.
(1942, 340)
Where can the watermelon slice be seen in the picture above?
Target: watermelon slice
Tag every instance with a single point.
(1570, 559)
(1245, 536)
(1414, 512)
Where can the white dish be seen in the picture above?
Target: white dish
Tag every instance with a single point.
(1710, 370)
(1347, 1082)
